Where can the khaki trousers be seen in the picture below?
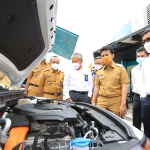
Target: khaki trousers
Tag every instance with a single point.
(60, 97)
(34, 91)
(111, 104)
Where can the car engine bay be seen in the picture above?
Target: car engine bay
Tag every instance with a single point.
(52, 124)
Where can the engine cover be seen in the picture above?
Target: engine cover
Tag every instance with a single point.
(46, 112)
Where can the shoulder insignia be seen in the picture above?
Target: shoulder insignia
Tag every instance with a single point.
(46, 70)
(119, 65)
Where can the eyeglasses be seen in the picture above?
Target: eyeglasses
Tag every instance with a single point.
(146, 40)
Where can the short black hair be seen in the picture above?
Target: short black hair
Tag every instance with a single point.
(146, 31)
(98, 57)
(141, 49)
(105, 48)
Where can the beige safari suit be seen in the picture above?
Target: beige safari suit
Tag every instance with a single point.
(52, 82)
(35, 76)
(110, 80)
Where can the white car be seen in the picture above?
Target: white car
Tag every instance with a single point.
(27, 33)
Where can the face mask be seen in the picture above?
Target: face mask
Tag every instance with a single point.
(76, 65)
(147, 47)
(55, 66)
(97, 67)
(106, 60)
(140, 60)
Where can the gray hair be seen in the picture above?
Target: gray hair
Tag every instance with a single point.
(78, 55)
(54, 57)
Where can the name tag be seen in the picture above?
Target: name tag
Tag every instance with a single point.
(86, 77)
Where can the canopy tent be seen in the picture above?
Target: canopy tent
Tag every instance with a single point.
(65, 43)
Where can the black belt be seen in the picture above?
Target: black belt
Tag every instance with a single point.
(137, 94)
(33, 85)
(79, 92)
(54, 94)
(148, 96)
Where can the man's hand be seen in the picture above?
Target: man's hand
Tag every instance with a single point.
(122, 110)
(93, 103)
(25, 92)
(69, 99)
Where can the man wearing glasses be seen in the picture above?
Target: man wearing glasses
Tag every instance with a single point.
(145, 103)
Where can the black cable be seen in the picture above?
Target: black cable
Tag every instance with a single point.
(45, 143)
(81, 129)
(81, 124)
(34, 146)
(71, 131)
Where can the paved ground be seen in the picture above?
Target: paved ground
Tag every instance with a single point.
(128, 116)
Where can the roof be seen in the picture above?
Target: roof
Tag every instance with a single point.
(65, 43)
(126, 47)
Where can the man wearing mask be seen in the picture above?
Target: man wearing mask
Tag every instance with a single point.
(78, 81)
(31, 88)
(111, 84)
(137, 82)
(145, 102)
(98, 63)
(51, 80)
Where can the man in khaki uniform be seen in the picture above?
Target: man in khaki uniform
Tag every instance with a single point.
(5, 81)
(111, 83)
(51, 80)
(31, 88)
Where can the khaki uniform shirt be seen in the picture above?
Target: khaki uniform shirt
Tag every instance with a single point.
(52, 81)
(5, 81)
(35, 74)
(110, 80)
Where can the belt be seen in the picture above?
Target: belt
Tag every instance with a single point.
(148, 96)
(136, 94)
(54, 94)
(79, 92)
(33, 85)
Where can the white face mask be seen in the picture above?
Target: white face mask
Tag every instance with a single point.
(76, 65)
(55, 66)
(97, 67)
(147, 47)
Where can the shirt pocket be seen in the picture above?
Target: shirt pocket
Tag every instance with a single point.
(101, 80)
(115, 80)
(50, 79)
(36, 72)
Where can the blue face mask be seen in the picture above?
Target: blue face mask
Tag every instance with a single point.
(140, 60)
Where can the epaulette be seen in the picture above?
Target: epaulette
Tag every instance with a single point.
(119, 65)
(46, 70)
(61, 71)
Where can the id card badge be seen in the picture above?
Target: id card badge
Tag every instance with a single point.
(86, 77)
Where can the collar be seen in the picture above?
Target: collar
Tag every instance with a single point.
(113, 65)
(52, 70)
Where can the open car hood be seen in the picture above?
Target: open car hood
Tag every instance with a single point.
(27, 33)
